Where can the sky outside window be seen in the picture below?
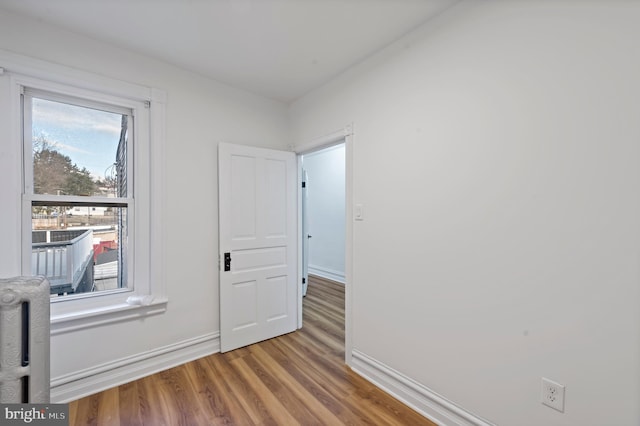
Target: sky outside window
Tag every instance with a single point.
(89, 137)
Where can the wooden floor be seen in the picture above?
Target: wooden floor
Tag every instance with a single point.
(299, 378)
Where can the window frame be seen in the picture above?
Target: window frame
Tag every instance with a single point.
(146, 292)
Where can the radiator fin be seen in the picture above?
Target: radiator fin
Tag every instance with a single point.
(24, 340)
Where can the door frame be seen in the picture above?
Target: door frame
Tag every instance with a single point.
(346, 136)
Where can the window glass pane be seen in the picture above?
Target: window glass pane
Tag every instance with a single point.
(78, 150)
(80, 249)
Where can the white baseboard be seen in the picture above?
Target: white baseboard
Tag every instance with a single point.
(89, 381)
(329, 274)
(422, 399)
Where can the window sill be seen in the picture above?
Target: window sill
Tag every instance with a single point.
(78, 320)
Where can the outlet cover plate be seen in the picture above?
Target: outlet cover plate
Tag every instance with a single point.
(553, 394)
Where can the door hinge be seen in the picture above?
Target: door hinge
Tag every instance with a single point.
(304, 184)
(304, 280)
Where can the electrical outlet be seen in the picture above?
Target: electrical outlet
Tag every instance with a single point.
(553, 394)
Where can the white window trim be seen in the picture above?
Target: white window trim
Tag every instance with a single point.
(148, 296)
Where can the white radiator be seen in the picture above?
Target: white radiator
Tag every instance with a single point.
(24, 340)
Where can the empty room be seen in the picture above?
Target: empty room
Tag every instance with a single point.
(151, 159)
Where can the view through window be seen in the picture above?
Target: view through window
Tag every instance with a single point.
(76, 176)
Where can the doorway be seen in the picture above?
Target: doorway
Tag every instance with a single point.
(324, 213)
(343, 138)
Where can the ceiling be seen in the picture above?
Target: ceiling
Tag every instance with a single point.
(280, 49)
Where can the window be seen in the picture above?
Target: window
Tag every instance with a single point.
(76, 155)
(84, 205)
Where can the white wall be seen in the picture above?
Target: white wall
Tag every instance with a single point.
(496, 155)
(326, 192)
(199, 114)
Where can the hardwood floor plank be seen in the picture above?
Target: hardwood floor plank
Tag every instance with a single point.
(270, 401)
(130, 404)
(85, 411)
(214, 397)
(310, 376)
(109, 407)
(252, 405)
(314, 384)
(330, 370)
(313, 403)
(296, 379)
(73, 412)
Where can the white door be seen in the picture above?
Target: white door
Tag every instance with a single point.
(258, 247)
